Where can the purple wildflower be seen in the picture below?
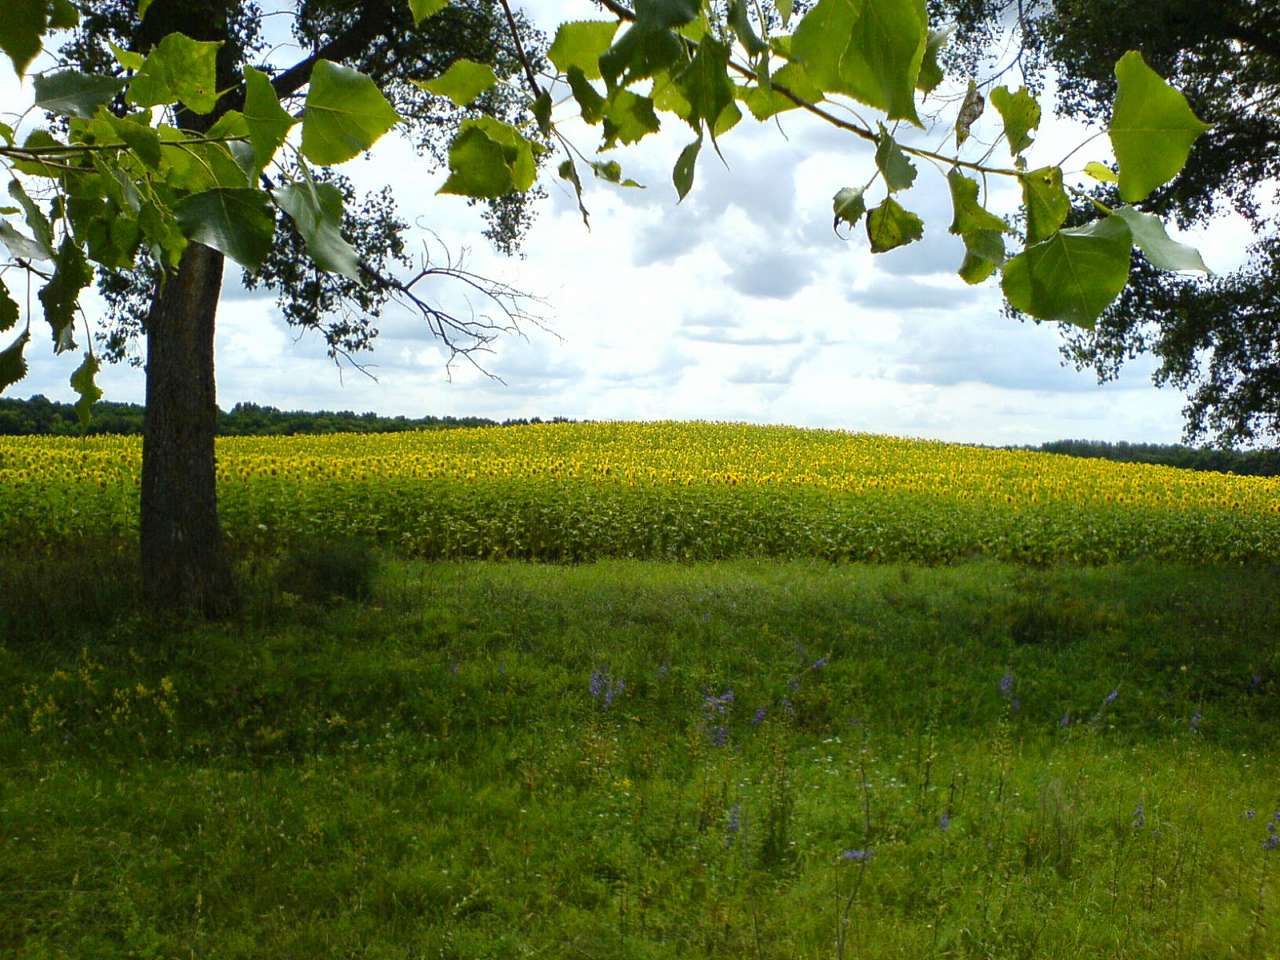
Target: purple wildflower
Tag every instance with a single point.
(1255, 682)
(820, 663)
(1250, 814)
(858, 856)
(945, 822)
(760, 714)
(1271, 843)
(1006, 685)
(719, 735)
(599, 680)
(613, 690)
(1111, 697)
(1194, 722)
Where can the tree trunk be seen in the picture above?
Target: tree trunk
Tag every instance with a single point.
(184, 559)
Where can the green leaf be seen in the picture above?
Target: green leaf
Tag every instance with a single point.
(639, 53)
(1020, 113)
(728, 119)
(682, 175)
(849, 205)
(82, 383)
(541, 108)
(141, 139)
(890, 225)
(39, 138)
(740, 21)
(21, 246)
(764, 103)
(8, 310)
(580, 44)
(1152, 128)
(898, 172)
(785, 9)
(235, 221)
(37, 222)
(612, 172)
(422, 9)
(1101, 172)
(590, 102)
(345, 114)
(316, 210)
(63, 15)
(1153, 240)
(1072, 277)
(1046, 202)
(706, 85)
(930, 70)
(70, 93)
(969, 214)
(462, 82)
(21, 28)
(628, 118)
(569, 171)
(970, 110)
(179, 70)
(12, 365)
(162, 234)
(983, 255)
(71, 274)
(489, 158)
(870, 50)
(143, 7)
(126, 58)
(268, 122)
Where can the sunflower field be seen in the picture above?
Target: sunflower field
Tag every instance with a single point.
(569, 492)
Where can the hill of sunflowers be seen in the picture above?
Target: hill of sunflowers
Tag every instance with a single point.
(658, 490)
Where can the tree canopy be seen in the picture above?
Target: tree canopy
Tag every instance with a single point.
(175, 141)
(1216, 338)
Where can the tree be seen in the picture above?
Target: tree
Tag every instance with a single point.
(1218, 338)
(126, 192)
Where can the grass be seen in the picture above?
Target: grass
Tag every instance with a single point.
(508, 760)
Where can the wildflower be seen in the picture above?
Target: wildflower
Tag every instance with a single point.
(820, 663)
(945, 822)
(1271, 843)
(1139, 817)
(597, 683)
(858, 856)
(1066, 719)
(613, 691)
(1111, 697)
(719, 735)
(1250, 814)
(1006, 685)
(760, 714)
(733, 825)
(1194, 722)
(1255, 682)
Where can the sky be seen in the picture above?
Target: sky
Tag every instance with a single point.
(741, 303)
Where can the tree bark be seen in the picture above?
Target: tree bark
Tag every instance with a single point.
(184, 558)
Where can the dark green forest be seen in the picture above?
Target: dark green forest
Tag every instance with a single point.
(39, 415)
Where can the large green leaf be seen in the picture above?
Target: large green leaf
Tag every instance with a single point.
(628, 117)
(141, 138)
(70, 93)
(59, 296)
(639, 53)
(580, 44)
(178, 70)
(870, 50)
(235, 221)
(1152, 128)
(590, 102)
(848, 206)
(1153, 240)
(421, 9)
(13, 367)
(82, 383)
(316, 210)
(890, 225)
(1020, 112)
(1046, 202)
(21, 26)
(268, 122)
(765, 102)
(682, 174)
(983, 255)
(898, 172)
(1072, 277)
(462, 82)
(706, 85)
(345, 114)
(969, 214)
(489, 158)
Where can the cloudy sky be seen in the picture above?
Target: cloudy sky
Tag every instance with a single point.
(739, 304)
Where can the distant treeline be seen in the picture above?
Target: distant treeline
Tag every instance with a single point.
(40, 415)
(1256, 463)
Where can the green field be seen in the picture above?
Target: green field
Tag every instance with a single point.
(635, 759)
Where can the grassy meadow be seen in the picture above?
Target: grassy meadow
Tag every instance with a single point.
(398, 750)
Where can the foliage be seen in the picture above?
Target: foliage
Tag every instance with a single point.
(1214, 338)
(666, 490)
(123, 185)
(327, 570)
(432, 774)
